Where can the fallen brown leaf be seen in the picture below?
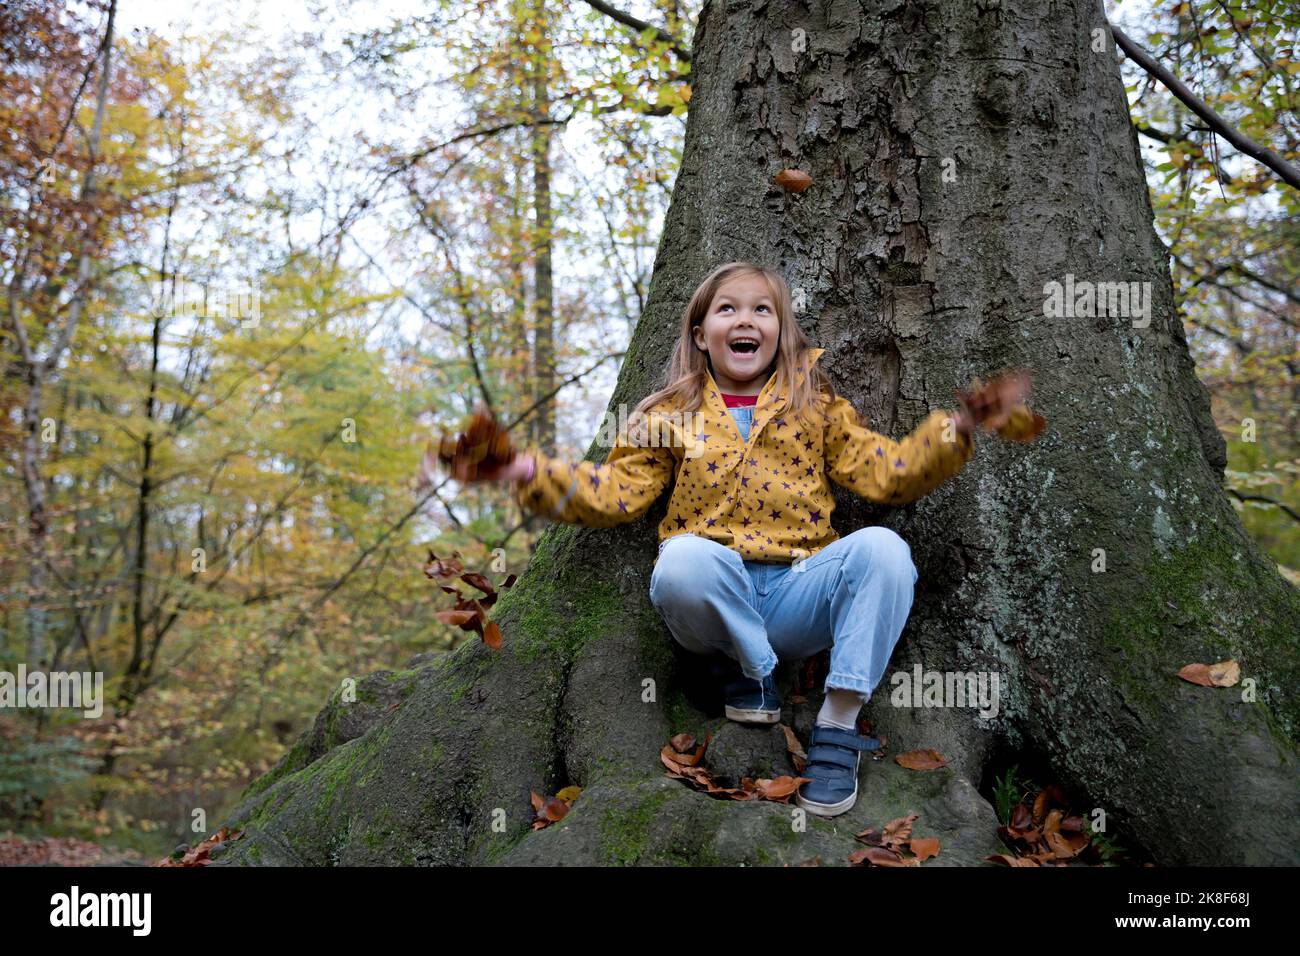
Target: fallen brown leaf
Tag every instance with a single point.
(780, 789)
(1040, 806)
(1222, 674)
(199, 854)
(900, 830)
(871, 836)
(880, 856)
(797, 755)
(924, 847)
(921, 760)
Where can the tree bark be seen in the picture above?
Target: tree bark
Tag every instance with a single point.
(915, 281)
(543, 244)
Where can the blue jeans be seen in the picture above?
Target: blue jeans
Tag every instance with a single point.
(852, 596)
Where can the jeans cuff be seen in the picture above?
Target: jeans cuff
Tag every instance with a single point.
(768, 666)
(837, 680)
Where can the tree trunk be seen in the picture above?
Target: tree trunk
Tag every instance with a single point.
(543, 244)
(39, 371)
(915, 282)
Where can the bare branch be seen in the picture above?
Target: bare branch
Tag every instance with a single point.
(640, 26)
(1160, 136)
(1281, 504)
(1290, 175)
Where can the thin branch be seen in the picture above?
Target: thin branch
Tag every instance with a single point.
(1290, 175)
(640, 26)
(1281, 504)
(1160, 136)
(1211, 278)
(1254, 277)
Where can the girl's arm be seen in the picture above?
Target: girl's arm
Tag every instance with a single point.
(598, 496)
(889, 472)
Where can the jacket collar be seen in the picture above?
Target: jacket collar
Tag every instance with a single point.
(714, 396)
(813, 355)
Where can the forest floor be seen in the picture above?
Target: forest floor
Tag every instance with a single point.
(62, 851)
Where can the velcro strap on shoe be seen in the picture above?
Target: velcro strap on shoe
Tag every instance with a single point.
(833, 777)
(823, 734)
(821, 753)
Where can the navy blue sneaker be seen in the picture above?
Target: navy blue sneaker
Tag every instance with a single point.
(752, 701)
(833, 757)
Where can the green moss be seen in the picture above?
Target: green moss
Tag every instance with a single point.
(564, 619)
(781, 829)
(332, 716)
(899, 787)
(602, 769)
(1198, 604)
(625, 831)
(295, 760)
(704, 855)
(365, 687)
(466, 667)
(646, 831)
(351, 764)
(652, 638)
(299, 754)
(499, 844)
(380, 831)
(558, 613)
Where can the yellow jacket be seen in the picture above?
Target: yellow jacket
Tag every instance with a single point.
(770, 498)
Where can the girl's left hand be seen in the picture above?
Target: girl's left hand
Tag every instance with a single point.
(991, 404)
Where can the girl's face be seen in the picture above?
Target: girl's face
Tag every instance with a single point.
(740, 333)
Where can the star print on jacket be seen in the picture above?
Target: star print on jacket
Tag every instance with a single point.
(776, 519)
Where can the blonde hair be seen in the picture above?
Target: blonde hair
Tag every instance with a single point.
(684, 380)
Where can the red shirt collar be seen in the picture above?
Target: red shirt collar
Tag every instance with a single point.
(739, 401)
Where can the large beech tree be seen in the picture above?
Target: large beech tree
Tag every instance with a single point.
(964, 155)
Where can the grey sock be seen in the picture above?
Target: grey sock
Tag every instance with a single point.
(840, 708)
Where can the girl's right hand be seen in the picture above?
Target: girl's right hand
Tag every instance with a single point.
(518, 469)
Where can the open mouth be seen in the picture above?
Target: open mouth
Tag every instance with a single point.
(743, 346)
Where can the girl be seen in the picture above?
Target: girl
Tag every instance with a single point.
(749, 568)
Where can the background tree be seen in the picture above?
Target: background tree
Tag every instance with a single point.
(1231, 227)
